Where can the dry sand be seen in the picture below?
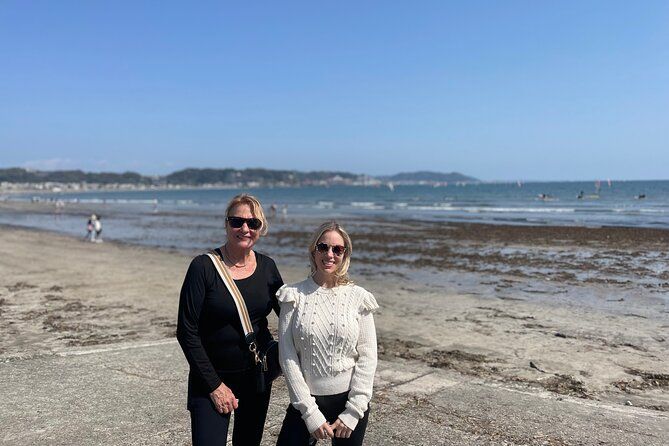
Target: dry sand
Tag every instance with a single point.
(87, 355)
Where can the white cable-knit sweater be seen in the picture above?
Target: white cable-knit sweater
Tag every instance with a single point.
(327, 346)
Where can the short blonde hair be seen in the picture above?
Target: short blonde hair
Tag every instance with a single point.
(342, 272)
(256, 209)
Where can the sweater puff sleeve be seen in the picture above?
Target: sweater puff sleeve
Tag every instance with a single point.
(287, 295)
(362, 380)
(368, 303)
(300, 396)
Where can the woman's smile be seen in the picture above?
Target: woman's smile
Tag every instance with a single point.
(327, 262)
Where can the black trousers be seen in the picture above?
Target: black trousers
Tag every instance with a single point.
(294, 431)
(210, 428)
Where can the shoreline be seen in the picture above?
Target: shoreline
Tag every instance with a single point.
(493, 231)
(600, 265)
(538, 230)
(430, 206)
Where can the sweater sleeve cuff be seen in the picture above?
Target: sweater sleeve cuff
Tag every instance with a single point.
(314, 420)
(214, 383)
(349, 418)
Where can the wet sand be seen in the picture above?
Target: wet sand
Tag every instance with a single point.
(629, 257)
(453, 302)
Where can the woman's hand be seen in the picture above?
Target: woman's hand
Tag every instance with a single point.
(341, 430)
(323, 432)
(223, 398)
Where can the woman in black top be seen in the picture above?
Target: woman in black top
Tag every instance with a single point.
(211, 336)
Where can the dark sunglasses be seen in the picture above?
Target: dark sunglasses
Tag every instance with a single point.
(337, 250)
(237, 222)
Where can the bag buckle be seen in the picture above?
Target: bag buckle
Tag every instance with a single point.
(254, 349)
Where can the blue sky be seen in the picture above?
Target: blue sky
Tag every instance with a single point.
(497, 90)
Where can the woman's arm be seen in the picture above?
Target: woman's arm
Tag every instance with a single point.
(188, 335)
(300, 396)
(362, 381)
(275, 282)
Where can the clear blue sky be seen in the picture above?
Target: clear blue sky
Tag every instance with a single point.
(497, 90)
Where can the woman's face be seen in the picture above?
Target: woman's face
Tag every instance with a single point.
(243, 237)
(326, 260)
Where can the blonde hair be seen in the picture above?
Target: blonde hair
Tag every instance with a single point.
(342, 272)
(256, 209)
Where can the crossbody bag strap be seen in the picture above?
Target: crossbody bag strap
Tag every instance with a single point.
(243, 312)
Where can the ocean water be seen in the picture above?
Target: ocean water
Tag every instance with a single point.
(191, 221)
(625, 203)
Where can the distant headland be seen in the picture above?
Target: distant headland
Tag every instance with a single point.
(76, 180)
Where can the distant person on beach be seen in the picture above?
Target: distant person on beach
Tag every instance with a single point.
(222, 377)
(58, 210)
(327, 347)
(97, 226)
(90, 229)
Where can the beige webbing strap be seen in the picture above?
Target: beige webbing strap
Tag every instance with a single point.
(234, 291)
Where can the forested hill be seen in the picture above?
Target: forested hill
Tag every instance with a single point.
(429, 177)
(20, 175)
(200, 177)
(264, 176)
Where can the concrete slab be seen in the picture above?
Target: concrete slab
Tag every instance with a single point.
(131, 394)
(114, 395)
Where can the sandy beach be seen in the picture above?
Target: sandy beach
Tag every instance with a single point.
(488, 335)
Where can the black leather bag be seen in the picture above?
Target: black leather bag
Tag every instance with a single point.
(269, 367)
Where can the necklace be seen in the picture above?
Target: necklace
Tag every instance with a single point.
(226, 254)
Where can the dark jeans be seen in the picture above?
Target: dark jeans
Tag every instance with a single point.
(210, 428)
(294, 431)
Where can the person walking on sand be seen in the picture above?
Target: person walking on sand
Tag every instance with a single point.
(97, 226)
(327, 347)
(58, 210)
(222, 378)
(90, 229)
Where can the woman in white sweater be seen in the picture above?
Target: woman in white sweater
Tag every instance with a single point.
(327, 347)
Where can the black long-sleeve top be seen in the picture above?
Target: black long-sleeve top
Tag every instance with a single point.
(208, 328)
